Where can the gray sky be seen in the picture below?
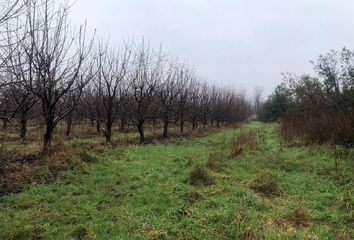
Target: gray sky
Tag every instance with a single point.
(234, 43)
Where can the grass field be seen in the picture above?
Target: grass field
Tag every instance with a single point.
(234, 184)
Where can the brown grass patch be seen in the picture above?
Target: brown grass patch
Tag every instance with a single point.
(215, 161)
(84, 156)
(344, 234)
(18, 171)
(193, 195)
(245, 140)
(83, 233)
(299, 217)
(200, 176)
(248, 234)
(266, 184)
(23, 231)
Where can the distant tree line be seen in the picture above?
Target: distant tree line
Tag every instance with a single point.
(51, 72)
(317, 109)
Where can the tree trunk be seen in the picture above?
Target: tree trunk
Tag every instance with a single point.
(123, 122)
(69, 122)
(182, 123)
(165, 126)
(4, 120)
(205, 122)
(194, 124)
(49, 124)
(48, 134)
(98, 125)
(4, 124)
(23, 125)
(108, 130)
(141, 132)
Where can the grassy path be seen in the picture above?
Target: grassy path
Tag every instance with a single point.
(144, 192)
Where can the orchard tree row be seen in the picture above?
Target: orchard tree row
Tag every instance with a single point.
(51, 71)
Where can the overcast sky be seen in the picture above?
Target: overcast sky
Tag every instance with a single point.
(234, 43)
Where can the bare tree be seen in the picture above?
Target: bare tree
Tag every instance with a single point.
(9, 27)
(194, 109)
(168, 94)
(214, 104)
(55, 56)
(46, 61)
(25, 100)
(205, 104)
(69, 101)
(87, 104)
(186, 76)
(10, 9)
(143, 82)
(5, 105)
(17, 68)
(13, 98)
(112, 71)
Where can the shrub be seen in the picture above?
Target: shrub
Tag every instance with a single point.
(318, 109)
(321, 111)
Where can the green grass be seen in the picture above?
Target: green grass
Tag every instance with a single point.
(144, 192)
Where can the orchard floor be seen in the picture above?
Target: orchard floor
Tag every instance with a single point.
(200, 188)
